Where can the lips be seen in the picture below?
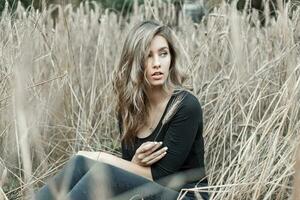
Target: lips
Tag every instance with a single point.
(156, 74)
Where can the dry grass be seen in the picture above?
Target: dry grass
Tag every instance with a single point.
(56, 95)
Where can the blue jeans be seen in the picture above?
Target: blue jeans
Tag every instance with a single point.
(86, 179)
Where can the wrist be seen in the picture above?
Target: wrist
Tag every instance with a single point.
(133, 160)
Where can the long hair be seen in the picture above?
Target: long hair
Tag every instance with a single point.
(130, 82)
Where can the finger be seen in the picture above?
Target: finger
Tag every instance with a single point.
(158, 144)
(156, 158)
(141, 156)
(154, 148)
(145, 147)
(145, 153)
(149, 146)
(154, 155)
(149, 149)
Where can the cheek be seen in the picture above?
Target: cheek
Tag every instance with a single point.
(168, 62)
(147, 70)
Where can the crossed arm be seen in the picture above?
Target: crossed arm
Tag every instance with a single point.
(125, 164)
(145, 155)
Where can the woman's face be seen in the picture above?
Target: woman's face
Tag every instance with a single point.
(158, 61)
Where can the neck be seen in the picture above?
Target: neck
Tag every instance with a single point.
(158, 96)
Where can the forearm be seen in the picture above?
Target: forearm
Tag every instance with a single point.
(126, 165)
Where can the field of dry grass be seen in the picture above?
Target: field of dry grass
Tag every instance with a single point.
(56, 95)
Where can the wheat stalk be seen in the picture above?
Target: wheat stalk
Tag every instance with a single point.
(174, 106)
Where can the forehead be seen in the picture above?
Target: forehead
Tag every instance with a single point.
(158, 42)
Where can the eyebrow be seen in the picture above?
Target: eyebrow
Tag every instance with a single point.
(162, 48)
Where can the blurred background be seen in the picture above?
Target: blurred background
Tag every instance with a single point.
(242, 58)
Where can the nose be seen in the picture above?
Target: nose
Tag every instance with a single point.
(156, 62)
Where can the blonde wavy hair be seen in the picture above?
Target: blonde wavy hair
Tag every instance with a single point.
(129, 79)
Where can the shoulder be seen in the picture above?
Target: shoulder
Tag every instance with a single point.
(189, 104)
(189, 100)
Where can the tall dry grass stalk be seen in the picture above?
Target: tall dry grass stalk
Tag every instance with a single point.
(172, 110)
(296, 182)
(56, 94)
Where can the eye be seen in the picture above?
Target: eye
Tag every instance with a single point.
(163, 54)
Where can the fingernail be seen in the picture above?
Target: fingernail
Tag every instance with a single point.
(155, 142)
(166, 148)
(160, 142)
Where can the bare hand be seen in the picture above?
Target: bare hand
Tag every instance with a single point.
(146, 154)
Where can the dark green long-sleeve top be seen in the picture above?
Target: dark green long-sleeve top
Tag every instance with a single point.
(182, 134)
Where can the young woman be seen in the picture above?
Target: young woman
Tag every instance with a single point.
(160, 125)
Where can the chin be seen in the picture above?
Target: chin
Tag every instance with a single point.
(157, 84)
